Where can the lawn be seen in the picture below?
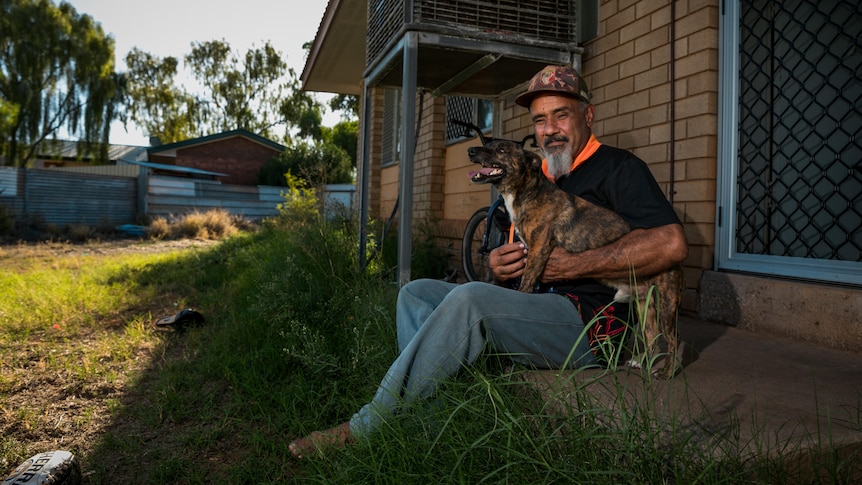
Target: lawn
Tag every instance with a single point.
(295, 339)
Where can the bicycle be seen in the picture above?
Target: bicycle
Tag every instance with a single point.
(492, 222)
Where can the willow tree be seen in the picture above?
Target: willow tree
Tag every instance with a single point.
(155, 102)
(56, 73)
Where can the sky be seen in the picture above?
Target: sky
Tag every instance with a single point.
(168, 27)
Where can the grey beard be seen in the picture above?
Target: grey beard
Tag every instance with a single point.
(559, 162)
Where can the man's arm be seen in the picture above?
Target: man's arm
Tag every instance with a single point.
(644, 251)
(647, 251)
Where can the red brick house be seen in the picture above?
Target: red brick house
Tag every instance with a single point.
(238, 153)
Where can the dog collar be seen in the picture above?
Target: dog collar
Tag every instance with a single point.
(592, 145)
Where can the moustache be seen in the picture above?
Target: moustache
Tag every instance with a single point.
(555, 138)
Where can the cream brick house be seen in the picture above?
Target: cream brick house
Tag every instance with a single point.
(747, 112)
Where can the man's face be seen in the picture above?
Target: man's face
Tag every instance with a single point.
(562, 129)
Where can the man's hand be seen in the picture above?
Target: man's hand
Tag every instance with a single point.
(559, 267)
(508, 261)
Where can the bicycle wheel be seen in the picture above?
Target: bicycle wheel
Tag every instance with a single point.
(474, 254)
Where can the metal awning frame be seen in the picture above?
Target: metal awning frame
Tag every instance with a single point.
(383, 71)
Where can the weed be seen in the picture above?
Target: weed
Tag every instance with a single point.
(79, 232)
(427, 260)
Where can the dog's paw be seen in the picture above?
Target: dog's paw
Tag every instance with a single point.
(668, 368)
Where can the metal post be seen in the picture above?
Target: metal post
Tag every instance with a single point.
(408, 135)
(363, 178)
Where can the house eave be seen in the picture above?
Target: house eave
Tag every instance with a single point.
(336, 60)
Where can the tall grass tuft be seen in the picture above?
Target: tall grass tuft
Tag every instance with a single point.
(334, 320)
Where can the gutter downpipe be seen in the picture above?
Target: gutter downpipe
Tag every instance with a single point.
(671, 185)
(364, 182)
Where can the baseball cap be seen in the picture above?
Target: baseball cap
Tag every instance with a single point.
(555, 79)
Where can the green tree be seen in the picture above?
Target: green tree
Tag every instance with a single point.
(317, 164)
(345, 135)
(256, 92)
(56, 72)
(347, 104)
(241, 93)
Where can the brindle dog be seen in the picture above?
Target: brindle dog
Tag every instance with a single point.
(546, 216)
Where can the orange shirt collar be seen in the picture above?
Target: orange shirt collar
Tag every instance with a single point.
(591, 147)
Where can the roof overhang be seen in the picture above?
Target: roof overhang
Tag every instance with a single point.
(336, 60)
(172, 168)
(448, 63)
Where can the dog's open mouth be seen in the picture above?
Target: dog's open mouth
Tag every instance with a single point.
(486, 174)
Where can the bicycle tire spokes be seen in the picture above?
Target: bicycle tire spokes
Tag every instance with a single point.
(483, 233)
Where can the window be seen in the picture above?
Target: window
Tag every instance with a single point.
(790, 152)
(480, 112)
(391, 145)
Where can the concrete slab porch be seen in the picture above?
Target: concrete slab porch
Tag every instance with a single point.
(759, 391)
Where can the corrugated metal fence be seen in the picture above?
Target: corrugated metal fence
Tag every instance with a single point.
(62, 198)
(67, 197)
(168, 197)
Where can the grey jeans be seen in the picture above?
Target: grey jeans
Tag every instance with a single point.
(443, 327)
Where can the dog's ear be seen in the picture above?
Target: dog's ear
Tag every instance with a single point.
(533, 159)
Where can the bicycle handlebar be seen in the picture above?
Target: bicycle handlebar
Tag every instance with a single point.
(485, 140)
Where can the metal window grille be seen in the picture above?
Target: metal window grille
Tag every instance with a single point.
(385, 18)
(480, 112)
(552, 21)
(799, 187)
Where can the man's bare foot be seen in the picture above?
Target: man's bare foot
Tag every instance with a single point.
(320, 441)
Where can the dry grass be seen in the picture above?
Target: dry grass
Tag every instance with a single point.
(212, 224)
(74, 340)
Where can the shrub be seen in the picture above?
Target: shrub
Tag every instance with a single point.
(79, 232)
(212, 224)
(300, 204)
(159, 228)
(320, 164)
(327, 310)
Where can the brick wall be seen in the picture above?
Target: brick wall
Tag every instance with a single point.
(428, 163)
(374, 148)
(628, 68)
(237, 156)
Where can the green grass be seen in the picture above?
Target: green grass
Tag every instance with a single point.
(296, 339)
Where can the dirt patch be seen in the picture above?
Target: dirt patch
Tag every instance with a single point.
(118, 246)
(49, 397)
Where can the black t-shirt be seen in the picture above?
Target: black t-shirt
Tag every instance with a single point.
(617, 180)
